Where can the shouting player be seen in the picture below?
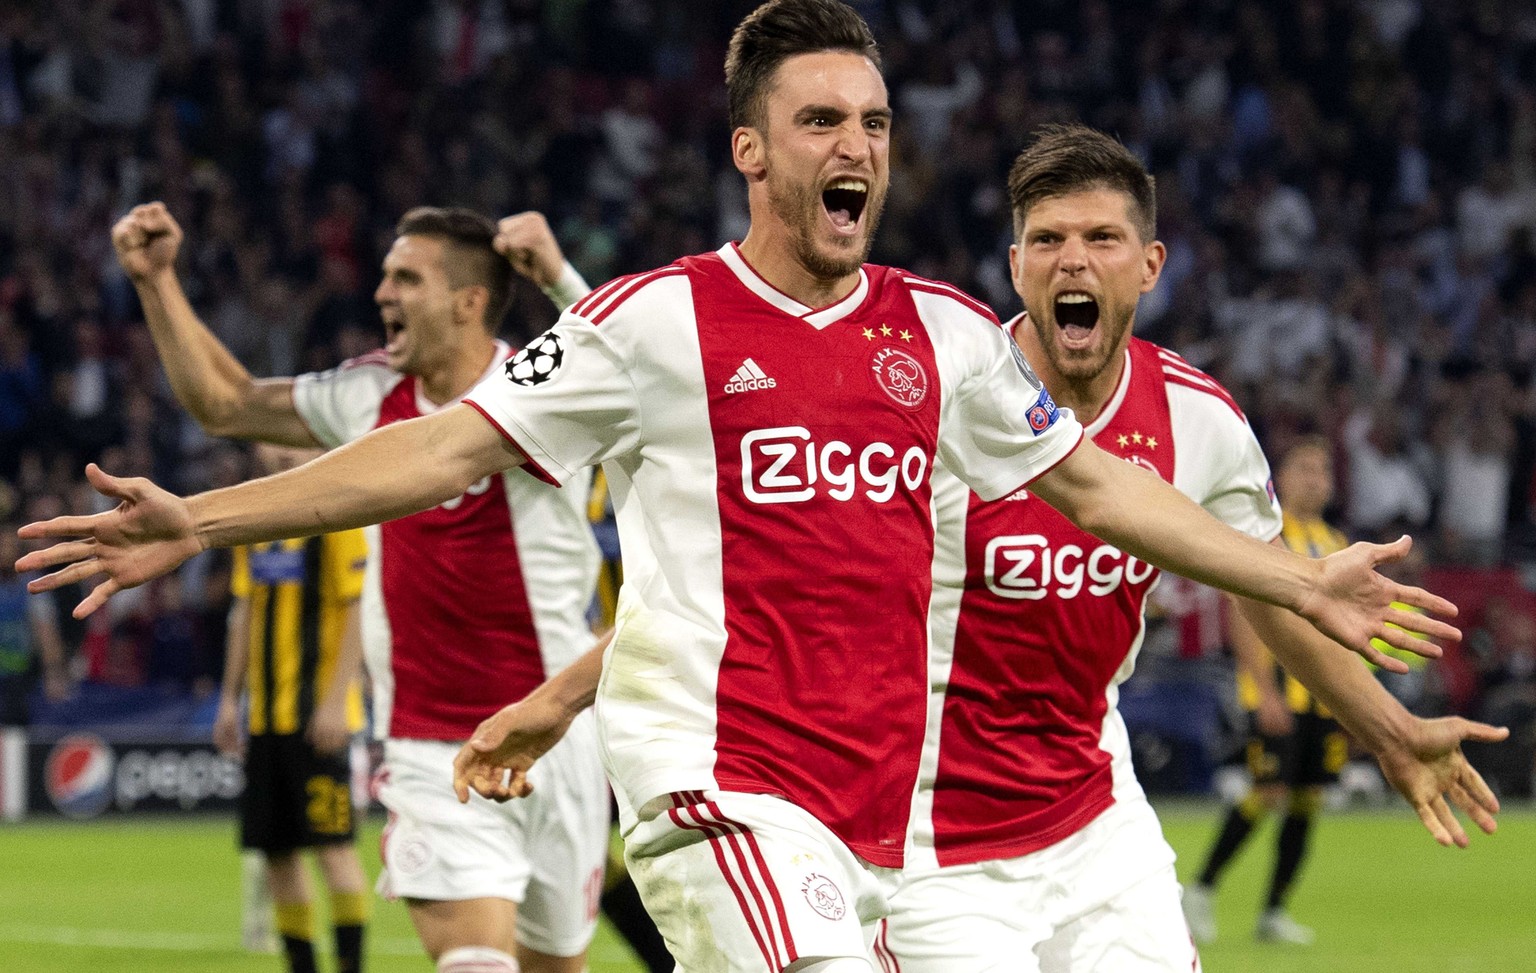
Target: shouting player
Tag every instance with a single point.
(1031, 841)
(480, 595)
(770, 415)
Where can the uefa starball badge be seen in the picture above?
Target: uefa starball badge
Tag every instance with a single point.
(538, 362)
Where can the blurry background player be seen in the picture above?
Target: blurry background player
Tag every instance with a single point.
(481, 597)
(1294, 746)
(295, 645)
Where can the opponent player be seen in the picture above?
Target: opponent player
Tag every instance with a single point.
(1032, 842)
(480, 596)
(295, 642)
(1295, 747)
(770, 415)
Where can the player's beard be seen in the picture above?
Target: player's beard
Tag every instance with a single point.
(801, 209)
(1084, 364)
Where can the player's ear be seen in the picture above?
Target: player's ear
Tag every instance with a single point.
(1156, 254)
(471, 303)
(748, 151)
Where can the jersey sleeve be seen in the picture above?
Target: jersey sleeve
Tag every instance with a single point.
(566, 400)
(1221, 465)
(240, 573)
(342, 404)
(1002, 428)
(346, 555)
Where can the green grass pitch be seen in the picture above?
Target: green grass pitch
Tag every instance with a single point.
(163, 895)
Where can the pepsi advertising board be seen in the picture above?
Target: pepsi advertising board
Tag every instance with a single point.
(83, 776)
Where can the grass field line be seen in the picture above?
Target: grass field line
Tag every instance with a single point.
(175, 942)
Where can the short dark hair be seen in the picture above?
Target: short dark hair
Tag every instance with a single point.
(776, 32)
(1065, 159)
(471, 258)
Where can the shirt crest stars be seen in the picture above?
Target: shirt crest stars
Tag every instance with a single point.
(885, 331)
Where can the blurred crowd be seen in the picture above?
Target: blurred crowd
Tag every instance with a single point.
(1347, 190)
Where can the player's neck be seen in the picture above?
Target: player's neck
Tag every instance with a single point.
(775, 262)
(459, 372)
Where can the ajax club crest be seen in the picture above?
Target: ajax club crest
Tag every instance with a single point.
(900, 375)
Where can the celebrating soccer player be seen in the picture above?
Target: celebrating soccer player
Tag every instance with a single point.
(480, 596)
(770, 416)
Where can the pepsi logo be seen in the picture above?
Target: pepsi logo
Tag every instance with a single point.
(78, 775)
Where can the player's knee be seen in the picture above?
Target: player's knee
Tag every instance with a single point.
(476, 959)
(836, 964)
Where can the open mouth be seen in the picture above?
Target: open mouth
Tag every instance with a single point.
(844, 201)
(1077, 314)
(393, 329)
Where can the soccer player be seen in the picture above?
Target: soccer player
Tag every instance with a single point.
(770, 415)
(295, 643)
(1033, 846)
(1295, 748)
(1031, 842)
(481, 596)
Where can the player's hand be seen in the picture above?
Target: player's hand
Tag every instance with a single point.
(1352, 604)
(496, 760)
(528, 243)
(146, 240)
(1274, 717)
(1432, 774)
(146, 535)
(328, 731)
(226, 729)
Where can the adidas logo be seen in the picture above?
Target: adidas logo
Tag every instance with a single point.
(749, 378)
(1018, 495)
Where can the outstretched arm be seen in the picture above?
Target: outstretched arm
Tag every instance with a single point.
(396, 470)
(1342, 594)
(496, 760)
(1421, 758)
(209, 382)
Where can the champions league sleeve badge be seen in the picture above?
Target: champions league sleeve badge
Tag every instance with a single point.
(538, 362)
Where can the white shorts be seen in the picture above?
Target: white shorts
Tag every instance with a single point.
(747, 883)
(545, 852)
(1105, 898)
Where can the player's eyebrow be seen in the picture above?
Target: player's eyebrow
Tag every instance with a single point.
(820, 111)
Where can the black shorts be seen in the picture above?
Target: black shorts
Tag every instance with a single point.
(1311, 755)
(294, 797)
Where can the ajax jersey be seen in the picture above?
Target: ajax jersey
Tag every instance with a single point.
(473, 603)
(770, 466)
(1039, 622)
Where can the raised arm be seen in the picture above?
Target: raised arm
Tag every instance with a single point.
(1421, 758)
(529, 245)
(396, 470)
(1342, 594)
(209, 382)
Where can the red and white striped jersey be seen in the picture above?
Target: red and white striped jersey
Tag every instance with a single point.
(473, 603)
(1036, 623)
(770, 468)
